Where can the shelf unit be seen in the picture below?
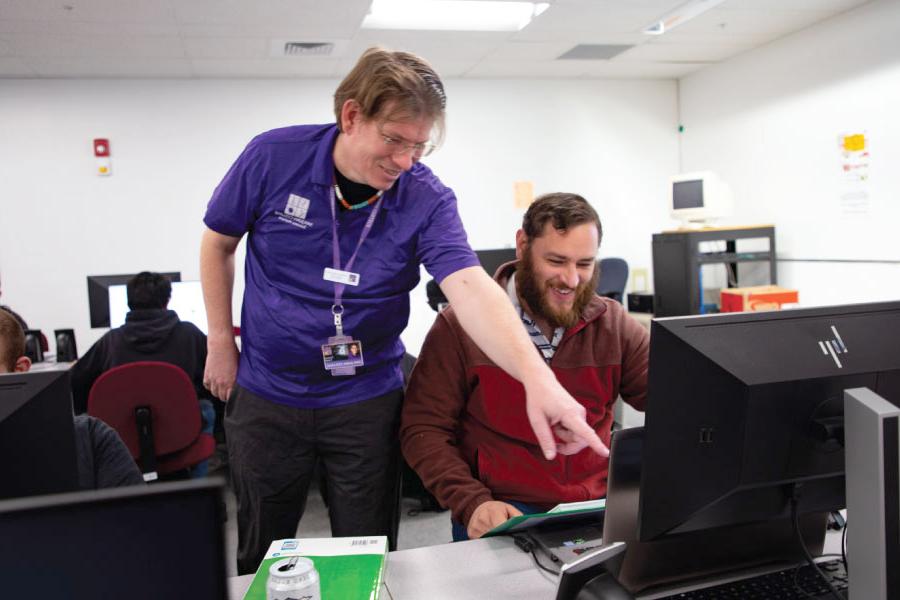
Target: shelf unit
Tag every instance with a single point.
(677, 261)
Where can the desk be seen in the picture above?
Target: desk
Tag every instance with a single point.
(489, 569)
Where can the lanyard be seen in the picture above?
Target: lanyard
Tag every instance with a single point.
(337, 309)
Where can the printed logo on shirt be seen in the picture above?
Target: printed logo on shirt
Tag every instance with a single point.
(297, 206)
(295, 212)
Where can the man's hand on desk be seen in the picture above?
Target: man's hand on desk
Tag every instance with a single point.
(488, 515)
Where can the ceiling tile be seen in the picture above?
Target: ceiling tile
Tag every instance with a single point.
(227, 47)
(340, 19)
(774, 22)
(684, 52)
(99, 46)
(641, 70)
(75, 11)
(525, 69)
(234, 38)
(292, 67)
(110, 67)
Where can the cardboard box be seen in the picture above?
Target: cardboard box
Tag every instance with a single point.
(760, 297)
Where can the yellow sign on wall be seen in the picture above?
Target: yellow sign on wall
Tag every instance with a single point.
(523, 194)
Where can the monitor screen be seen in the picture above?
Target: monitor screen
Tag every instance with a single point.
(37, 437)
(186, 300)
(741, 406)
(98, 294)
(492, 259)
(687, 194)
(140, 542)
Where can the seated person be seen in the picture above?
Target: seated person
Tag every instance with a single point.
(102, 458)
(464, 428)
(150, 332)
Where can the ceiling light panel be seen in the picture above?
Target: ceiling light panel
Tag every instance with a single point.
(452, 15)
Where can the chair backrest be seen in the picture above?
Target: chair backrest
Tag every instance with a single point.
(613, 278)
(165, 388)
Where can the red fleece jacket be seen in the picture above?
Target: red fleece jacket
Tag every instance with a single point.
(465, 430)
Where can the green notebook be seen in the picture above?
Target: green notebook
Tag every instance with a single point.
(348, 567)
(561, 513)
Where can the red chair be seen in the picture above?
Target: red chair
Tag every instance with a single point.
(153, 406)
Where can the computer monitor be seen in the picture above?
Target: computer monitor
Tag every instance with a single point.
(699, 198)
(139, 542)
(37, 436)
(98, 294)
(742, 406)
(492, 259)
(186, 300)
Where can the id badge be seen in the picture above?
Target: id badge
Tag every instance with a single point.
(338, 276)
(342, 354)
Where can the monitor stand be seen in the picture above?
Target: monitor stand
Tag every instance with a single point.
(872, 451)
(693, 555)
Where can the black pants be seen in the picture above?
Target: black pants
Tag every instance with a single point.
(272, 452)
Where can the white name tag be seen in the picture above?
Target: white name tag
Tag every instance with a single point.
(337, 276)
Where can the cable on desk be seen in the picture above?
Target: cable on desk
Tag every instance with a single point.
(795, 517)
(526, 545)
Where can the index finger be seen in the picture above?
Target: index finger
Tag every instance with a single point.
(582, 430)
(544, 435)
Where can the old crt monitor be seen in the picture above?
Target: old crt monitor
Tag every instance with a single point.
(37, 437)
(98, 294)
(186, 301)
(699, 198)
(137, 542)
(742, 406)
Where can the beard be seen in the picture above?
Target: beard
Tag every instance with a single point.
(535, 295)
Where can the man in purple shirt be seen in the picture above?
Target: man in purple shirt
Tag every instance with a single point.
(338, 218)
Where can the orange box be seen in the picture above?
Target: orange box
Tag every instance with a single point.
(760, 297)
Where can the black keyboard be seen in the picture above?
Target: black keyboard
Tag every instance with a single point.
(800, 582)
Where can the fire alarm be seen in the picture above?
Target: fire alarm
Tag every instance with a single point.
(101, 147)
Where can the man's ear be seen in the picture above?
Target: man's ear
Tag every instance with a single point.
(23, 363)
(521, 244)
(351, 116)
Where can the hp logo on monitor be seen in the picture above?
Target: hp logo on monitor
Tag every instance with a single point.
(834, 347)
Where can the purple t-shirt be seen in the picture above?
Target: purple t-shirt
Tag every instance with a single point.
(279, 191)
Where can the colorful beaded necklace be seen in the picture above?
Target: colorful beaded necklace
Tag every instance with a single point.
(347, 205)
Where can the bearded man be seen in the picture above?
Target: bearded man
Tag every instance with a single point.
(464, 428)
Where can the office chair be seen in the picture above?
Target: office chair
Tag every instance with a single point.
(613, 278)
(153, 406)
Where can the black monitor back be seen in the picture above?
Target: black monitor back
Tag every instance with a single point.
(98, 294)
(740, 406)
(37, 438)
(492, 259)
(140, 542)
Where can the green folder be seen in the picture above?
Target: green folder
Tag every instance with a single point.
(562, 513)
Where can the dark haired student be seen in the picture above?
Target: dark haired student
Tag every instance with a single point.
(151, 332)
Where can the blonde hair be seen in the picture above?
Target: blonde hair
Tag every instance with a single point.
(393, 86)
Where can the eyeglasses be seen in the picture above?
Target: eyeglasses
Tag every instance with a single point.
(401, 148)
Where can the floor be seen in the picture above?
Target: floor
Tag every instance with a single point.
(417, 528)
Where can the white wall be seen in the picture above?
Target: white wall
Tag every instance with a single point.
(172, 141)
(769, 122)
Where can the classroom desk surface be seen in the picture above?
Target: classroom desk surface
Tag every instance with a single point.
(487, 568)
(492, 569)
